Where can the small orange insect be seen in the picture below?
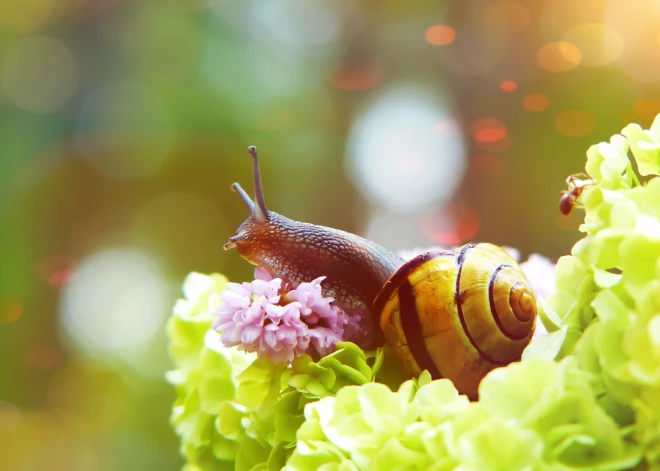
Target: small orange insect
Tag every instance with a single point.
(576, 185)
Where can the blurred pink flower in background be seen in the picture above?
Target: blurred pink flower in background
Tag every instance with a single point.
(540, 272)
(264, 317)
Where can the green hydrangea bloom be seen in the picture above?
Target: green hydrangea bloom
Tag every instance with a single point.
(369, 426)
(608, 289)
(546, 413)
(191, 317)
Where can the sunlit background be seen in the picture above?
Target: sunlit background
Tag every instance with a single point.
(123, 124)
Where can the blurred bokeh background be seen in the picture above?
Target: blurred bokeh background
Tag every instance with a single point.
(123, 124)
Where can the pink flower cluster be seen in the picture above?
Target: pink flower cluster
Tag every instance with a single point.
(263, 316)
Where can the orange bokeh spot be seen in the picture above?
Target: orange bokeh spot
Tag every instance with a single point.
(454, 225)
(10, 311)
(508, 86)
(60, 278)
(647, 108)
(536, 102)
(488, 130)
(497, 146)
(559, 56)
(355, 79)
(575, 123)
(440, 35)
(486, 164)
(490, 135)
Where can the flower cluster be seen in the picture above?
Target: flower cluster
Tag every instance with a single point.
(236, 411)
(533, 415)
(607, 304)
(263, 316)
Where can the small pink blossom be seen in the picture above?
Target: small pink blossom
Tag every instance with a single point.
(264, 317)
(540, 272)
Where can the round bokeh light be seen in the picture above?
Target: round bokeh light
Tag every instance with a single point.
(114, 306)
(396, 156)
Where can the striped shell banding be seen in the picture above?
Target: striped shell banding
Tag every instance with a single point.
(458, 314)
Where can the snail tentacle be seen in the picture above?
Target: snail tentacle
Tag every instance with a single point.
(259, 209)
(244, 196)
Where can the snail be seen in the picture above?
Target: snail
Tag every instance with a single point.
(576, 186)
(456, 313)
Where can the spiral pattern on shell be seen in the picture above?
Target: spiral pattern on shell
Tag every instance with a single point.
(458, 314)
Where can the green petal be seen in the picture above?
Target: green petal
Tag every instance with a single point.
(546, 346)
(639, 259)
(495, 445)
(645, 148)
(513, 391)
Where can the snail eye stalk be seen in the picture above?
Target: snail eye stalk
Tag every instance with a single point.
(260, 212)
(244, 196)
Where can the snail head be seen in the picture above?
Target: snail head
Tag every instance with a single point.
(255, 231)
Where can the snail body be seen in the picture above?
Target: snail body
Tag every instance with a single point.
(457, 314)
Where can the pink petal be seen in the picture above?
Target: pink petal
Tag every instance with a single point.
(275, 313)
(239, 288)
(254, 314)
(268, 289)
(270, 339)
(231, 337)
(250, 334)
(323, 339)
(234, 299)
(262, 274)
(291, 315)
